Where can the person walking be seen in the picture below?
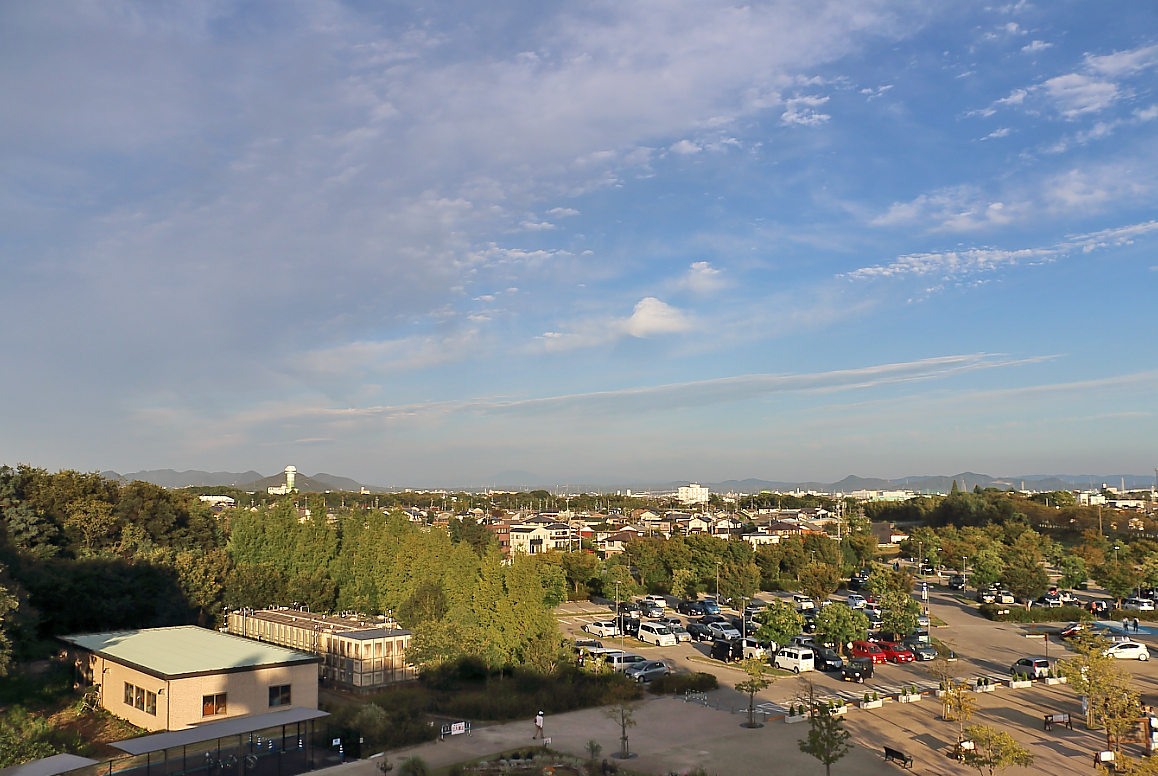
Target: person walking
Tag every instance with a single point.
(1125, 625)
(1135, 624)
(538, 726)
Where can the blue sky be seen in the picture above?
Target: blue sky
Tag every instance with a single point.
(421, 244)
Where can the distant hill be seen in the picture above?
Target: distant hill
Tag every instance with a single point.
(168, 478)
(302, 483)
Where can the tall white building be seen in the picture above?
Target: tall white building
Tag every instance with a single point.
(692, 494)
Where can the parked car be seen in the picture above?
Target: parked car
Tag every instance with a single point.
(657, 634)
(621, 661)
(795, 659)
(1073, 629)
(1098, 606)
(671, 622)
(956, 582)
(928, 569)
(603, 629)
(691, 608)
(723, 630)
(708, 619)
(802, 602)
(699, 632)
(1051, 601)
(710, 606)
(1005, 597)
(752, 648)
(628, 625)
(874, 616)
(801, 640)
(921, 650)
(629, 608)
(868, 650)
(1138, 604)
(727, 650)
(924, 621)
(856, 601)
(895, 652)
(1067, 597)
(656, 599)
(680, 632)
(809, 625)
(858, 669)
(1033, 667)
(1128, 650)
(826, 659)
(988, 596)
(651, 610)
(858, 579)
(645, 672)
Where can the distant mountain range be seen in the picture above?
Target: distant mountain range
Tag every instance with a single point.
(520, 480)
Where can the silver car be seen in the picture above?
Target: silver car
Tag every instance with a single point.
(722, 630)
(645, 672)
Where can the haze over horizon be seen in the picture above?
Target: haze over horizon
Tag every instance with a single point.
(407, 243)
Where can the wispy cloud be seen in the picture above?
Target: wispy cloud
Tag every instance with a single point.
(697, 394)
(702, 278)
(801, 111)
(1036, 46)
(956, 264)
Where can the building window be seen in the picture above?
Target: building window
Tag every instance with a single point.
(280, 695)
(212, 705)
(140, 698)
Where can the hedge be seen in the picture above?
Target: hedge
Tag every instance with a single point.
(681, 683)
(1018, 613)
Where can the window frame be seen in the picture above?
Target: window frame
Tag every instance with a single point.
(218, 702)
(280, 695)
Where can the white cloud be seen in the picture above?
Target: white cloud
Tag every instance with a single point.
(1002, 132)
(562, 212)
(1075, 94)
(957, 264)
(539, 226)
(801, 111)
(703, 278)
(1123, 62)
(685, 147)
(652, 317)
(956, 209)
(1036, 46)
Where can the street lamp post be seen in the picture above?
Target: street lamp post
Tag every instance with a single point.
(618, 615)
(920, 557)
(964, 579)
(743, 619)
(718, 564)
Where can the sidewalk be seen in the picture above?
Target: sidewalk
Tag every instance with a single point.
(670, 736)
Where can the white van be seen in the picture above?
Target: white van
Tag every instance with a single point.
(795, 659)
(656, 633)
(802, 602)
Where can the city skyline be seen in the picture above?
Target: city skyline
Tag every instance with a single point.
(665, 241)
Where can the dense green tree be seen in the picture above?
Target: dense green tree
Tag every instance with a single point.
(900, 612)
(819, 581)
(778, 623)
(840, 624)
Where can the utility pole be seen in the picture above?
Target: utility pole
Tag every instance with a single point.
(618, 616)
(718, 564)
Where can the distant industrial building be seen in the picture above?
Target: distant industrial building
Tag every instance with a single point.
(176, 678)
(357, 654)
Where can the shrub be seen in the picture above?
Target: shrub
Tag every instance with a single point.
(681, 683)
(866, 697)
(1036, 614)
(876, 697)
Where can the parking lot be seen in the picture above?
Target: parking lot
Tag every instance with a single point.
(983, 648)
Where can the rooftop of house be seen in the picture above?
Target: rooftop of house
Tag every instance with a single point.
(186, 650)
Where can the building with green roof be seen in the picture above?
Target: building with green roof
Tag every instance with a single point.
(179, 677)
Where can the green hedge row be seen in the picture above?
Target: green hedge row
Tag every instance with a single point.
(678, 684)
(1018, 613)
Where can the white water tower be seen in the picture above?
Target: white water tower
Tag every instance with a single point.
(290, 473)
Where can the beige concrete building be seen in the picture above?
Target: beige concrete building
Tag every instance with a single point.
(176, 678)
(357, 653)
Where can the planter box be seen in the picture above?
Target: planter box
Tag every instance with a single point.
(1020, 685)
(871, 704)
(942, 693)
(908, 698)
(984, 688)
(792, 720)
(1055, 680)
(839, 711)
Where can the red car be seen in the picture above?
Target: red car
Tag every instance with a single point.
(896, 653)
(871, 651)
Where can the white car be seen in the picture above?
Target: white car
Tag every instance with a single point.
(1138, 604)
(802, 602)
(722, 630)
(856, 601)
(1128, 650)
(1005, 597)
(603, 629)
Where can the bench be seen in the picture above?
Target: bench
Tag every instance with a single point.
(1057, 719)
(1106, 760)
(897, 756)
